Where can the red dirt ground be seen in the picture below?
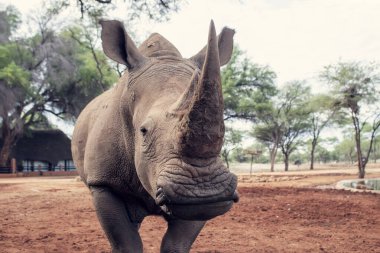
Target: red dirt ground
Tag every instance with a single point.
(56, 215)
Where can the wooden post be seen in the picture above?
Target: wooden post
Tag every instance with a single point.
(253, 153)
(14, 165)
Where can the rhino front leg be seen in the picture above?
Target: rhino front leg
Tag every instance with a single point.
(113, 216)
(180, 235)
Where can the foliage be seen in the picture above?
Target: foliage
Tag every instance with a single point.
(345, 150)
(9, 22)
(46, 73)
(232, 140)
(294, 115)
(284, 121)
(247, 87)
(322, 113)
(269, 130)
(157, 10)
(14, 75)
(356, 88)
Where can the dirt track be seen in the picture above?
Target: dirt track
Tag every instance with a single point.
(56, 215)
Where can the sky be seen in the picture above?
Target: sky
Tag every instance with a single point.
(296, 38)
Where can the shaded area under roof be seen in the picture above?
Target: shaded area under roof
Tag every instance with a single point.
(43, 145)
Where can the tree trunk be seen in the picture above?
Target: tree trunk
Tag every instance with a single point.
(313, 145)
(225, 157)
(361, 163)
(374, 150)
(273, 153)
(250, 171)
(227, 163)
(286, 161)
(6, 149)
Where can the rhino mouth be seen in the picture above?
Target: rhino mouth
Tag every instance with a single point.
(197, 212)
(196, 192)
(162, 199)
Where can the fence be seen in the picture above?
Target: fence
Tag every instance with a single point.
(5, 170)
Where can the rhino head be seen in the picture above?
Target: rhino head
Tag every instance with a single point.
(172, 114)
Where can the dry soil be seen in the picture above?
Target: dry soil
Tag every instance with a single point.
(48, 214)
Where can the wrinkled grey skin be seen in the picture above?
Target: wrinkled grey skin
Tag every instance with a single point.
(150, 145)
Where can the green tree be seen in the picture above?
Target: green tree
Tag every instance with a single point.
(232, 140)
(247, 87)
(345, 150)
(9, 21)
(367, 132)
(321, 152)
(356, 88)
(322, 112)
(158, 10)
(376, 148)
(46, 73)
(269, 131)
(284, 121)
(294, 115)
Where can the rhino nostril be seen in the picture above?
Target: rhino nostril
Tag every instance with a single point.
(159, 191)
(166, 210)
(235, 197)
(161, 197)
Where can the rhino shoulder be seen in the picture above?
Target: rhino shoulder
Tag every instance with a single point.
(85, 124)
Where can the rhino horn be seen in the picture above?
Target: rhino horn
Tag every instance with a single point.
(118, 46)
(202, 126)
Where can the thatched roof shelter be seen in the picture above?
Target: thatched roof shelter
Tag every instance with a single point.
(43, 145)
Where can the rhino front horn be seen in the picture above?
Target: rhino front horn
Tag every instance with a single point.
(203, 124)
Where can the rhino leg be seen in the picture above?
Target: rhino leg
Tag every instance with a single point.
(113, 216)
(180, 235)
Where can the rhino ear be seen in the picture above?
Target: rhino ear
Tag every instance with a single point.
(225, 45)
(118, 46)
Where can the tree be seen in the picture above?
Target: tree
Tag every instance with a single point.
(247, 87)
(322, 153)
(376, 148)
(232, 140)
(356, 88)
(269, 132)
(294, 115)
(346, 149)
(158, 10)
(9, 21)
(367, 140)
(284, 121)
(47, 73)
(321, 114)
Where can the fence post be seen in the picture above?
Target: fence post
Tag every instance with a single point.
(13, 165)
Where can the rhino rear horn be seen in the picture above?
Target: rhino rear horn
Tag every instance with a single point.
(225, 46)
(118, 46)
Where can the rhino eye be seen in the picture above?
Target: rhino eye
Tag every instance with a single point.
(143, 130)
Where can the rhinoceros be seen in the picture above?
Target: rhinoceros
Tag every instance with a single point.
(150, 145)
